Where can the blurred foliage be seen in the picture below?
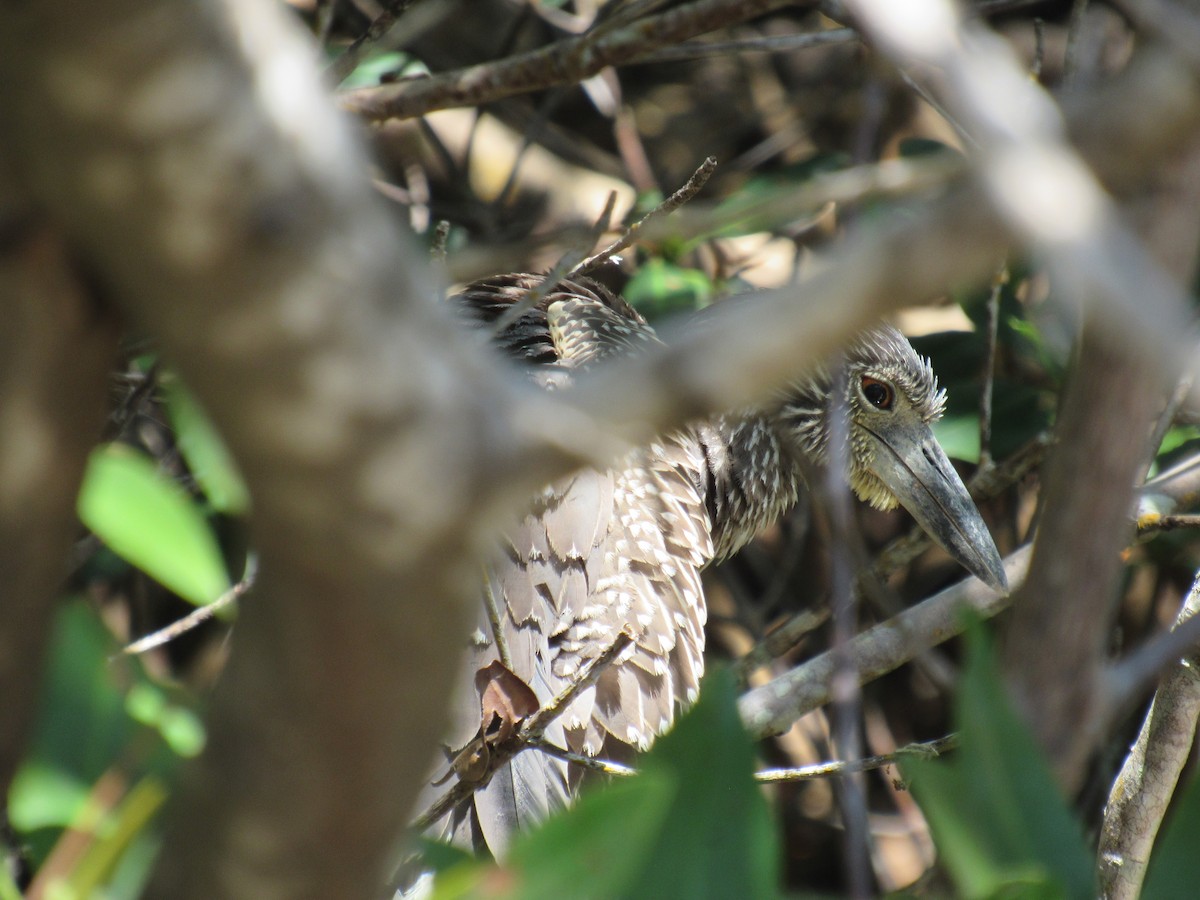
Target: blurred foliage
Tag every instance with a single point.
(660, 289)
(692, 823)
(1001, 826)
(150, 521)
(107, 743)
(204, 452)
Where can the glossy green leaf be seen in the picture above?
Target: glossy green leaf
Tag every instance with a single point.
(149, 521)
(205, 453)
(1001, 826)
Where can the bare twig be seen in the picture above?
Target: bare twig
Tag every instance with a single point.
(535, 726)
(779, 641)
(441, 234)
(1178, 396)
(845, 686)
(340, 68)
(493, 613)
(690, 188)
(592, 763)
(528, 736)
(566, 62)
(196, 617)
(1144, 787)
(1178, 487)
(561, 270)
(922, 750)
(1151, 524)
(988, 375)
(938, 107)
(1126, 680)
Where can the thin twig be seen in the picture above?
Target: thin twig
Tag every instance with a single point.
(561, 270)
(936, 105)
(1178, 397)
(689, 190)
(1149, 776)
(527, 737)
(324, 21)
(780, 641)
(529, 136)
(989, 366)
(592, 763)
(493, 612)
(922, 750)
(1127, 679)
(339, 70)
(535, 726)
(1074, 32)
(196, 617)
(441, 234)
(1151, 524)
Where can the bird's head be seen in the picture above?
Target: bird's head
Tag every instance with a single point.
(891, 401)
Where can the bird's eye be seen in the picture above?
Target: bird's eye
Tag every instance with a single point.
(878, 393)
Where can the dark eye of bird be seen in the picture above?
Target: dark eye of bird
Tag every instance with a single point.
(878, 393)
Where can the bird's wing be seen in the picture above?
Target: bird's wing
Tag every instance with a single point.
(598, 553)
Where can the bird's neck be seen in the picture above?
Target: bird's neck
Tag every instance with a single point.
(751, 478)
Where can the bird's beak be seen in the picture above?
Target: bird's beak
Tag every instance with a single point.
(910, 461)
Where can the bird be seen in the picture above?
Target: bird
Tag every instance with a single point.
(620, 550)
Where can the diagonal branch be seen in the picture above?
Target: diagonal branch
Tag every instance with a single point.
(566, 62)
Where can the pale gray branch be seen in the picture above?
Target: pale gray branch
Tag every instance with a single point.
(1143, 789)
(773, 707)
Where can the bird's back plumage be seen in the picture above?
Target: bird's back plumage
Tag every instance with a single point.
(597, 554)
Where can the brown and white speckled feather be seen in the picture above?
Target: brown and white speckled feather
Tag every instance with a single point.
(622, 549)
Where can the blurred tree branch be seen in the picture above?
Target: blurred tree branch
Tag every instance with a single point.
(56, 349)
(220, 199)
(567, 62)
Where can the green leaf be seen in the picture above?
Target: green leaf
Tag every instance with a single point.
(692, 823)
(1001, 826)
(661, 288)
(718, 807)
(204, 451)
(85, 745)
(959, 436)
(45, 796)
(371, 72)
(149, 521)
(1175, 865)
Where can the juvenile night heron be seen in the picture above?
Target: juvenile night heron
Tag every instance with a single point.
(607, 551)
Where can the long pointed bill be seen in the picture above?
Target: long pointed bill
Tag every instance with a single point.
(910, 461)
